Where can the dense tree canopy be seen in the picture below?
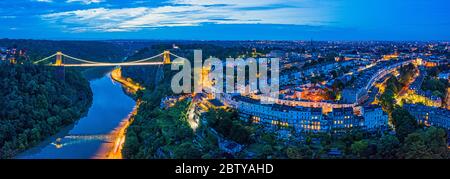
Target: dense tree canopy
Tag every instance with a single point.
(404, 123)
(227, 123)
(425, 144)
(157, 133)
(35, 104)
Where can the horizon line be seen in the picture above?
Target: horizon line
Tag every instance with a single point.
(211, 40)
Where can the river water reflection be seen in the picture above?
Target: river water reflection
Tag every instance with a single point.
(87, 137)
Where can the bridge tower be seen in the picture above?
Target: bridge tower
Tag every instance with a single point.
(58, 61)
(60, 71)
(166, 56)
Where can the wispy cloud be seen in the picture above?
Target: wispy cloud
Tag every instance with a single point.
(191, 13)
(83, 1)
(48, 1)
(7, 17)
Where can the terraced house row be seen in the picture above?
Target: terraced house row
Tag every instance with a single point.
(310, 119)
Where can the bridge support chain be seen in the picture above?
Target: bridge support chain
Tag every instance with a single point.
(166, 56)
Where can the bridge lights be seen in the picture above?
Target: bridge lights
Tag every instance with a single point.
(58, 61)
(166, 56)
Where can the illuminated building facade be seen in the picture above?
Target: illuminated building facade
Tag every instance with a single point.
(300, 118)
(343, 118)
(374, 118)
(429, 116)
(308, 119)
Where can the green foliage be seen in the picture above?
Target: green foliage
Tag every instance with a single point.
(388, 147)
(187, 150)
(227, 123)
(34, 104)
(301, 152)
(394, 86)
(434, 72)
(407, 73)
(404, 123)
(360, 147)
(387, 99)
(425, 144)
(415, 148)
(437, 86)
(157, 133)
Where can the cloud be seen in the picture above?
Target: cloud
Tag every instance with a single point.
(84, 1)
(191, 13)
(48, 1)
(8, 17)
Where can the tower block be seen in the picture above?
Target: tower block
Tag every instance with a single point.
(166, 56)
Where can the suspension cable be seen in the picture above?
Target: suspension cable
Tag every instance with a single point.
(93, 62)
(145, 59)
(78, 59)
(178, 56)
(46, 58)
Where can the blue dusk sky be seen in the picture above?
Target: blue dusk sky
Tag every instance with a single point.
(226, 19)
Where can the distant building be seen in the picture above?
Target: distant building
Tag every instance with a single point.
(374, 118)
(358, 91)
(447, 101)
(417, 84)
(432, 62)
(276, 54)
(350, 95)
(291, 78)
(444, 75)
(430, 116)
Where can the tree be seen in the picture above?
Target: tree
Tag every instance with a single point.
(187, 150)
(131, 145)
(359, 148)
(239, 133)
(267, 150)
(301, 152)
(35, 104)
(387, 147)
(407, 73)
(414, 148)
(227, 123)
(425, 144)
(436, 140)
(404, 123)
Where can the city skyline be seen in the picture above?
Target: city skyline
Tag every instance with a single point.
(229, 20)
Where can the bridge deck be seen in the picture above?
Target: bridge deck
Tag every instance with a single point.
(110, 64)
